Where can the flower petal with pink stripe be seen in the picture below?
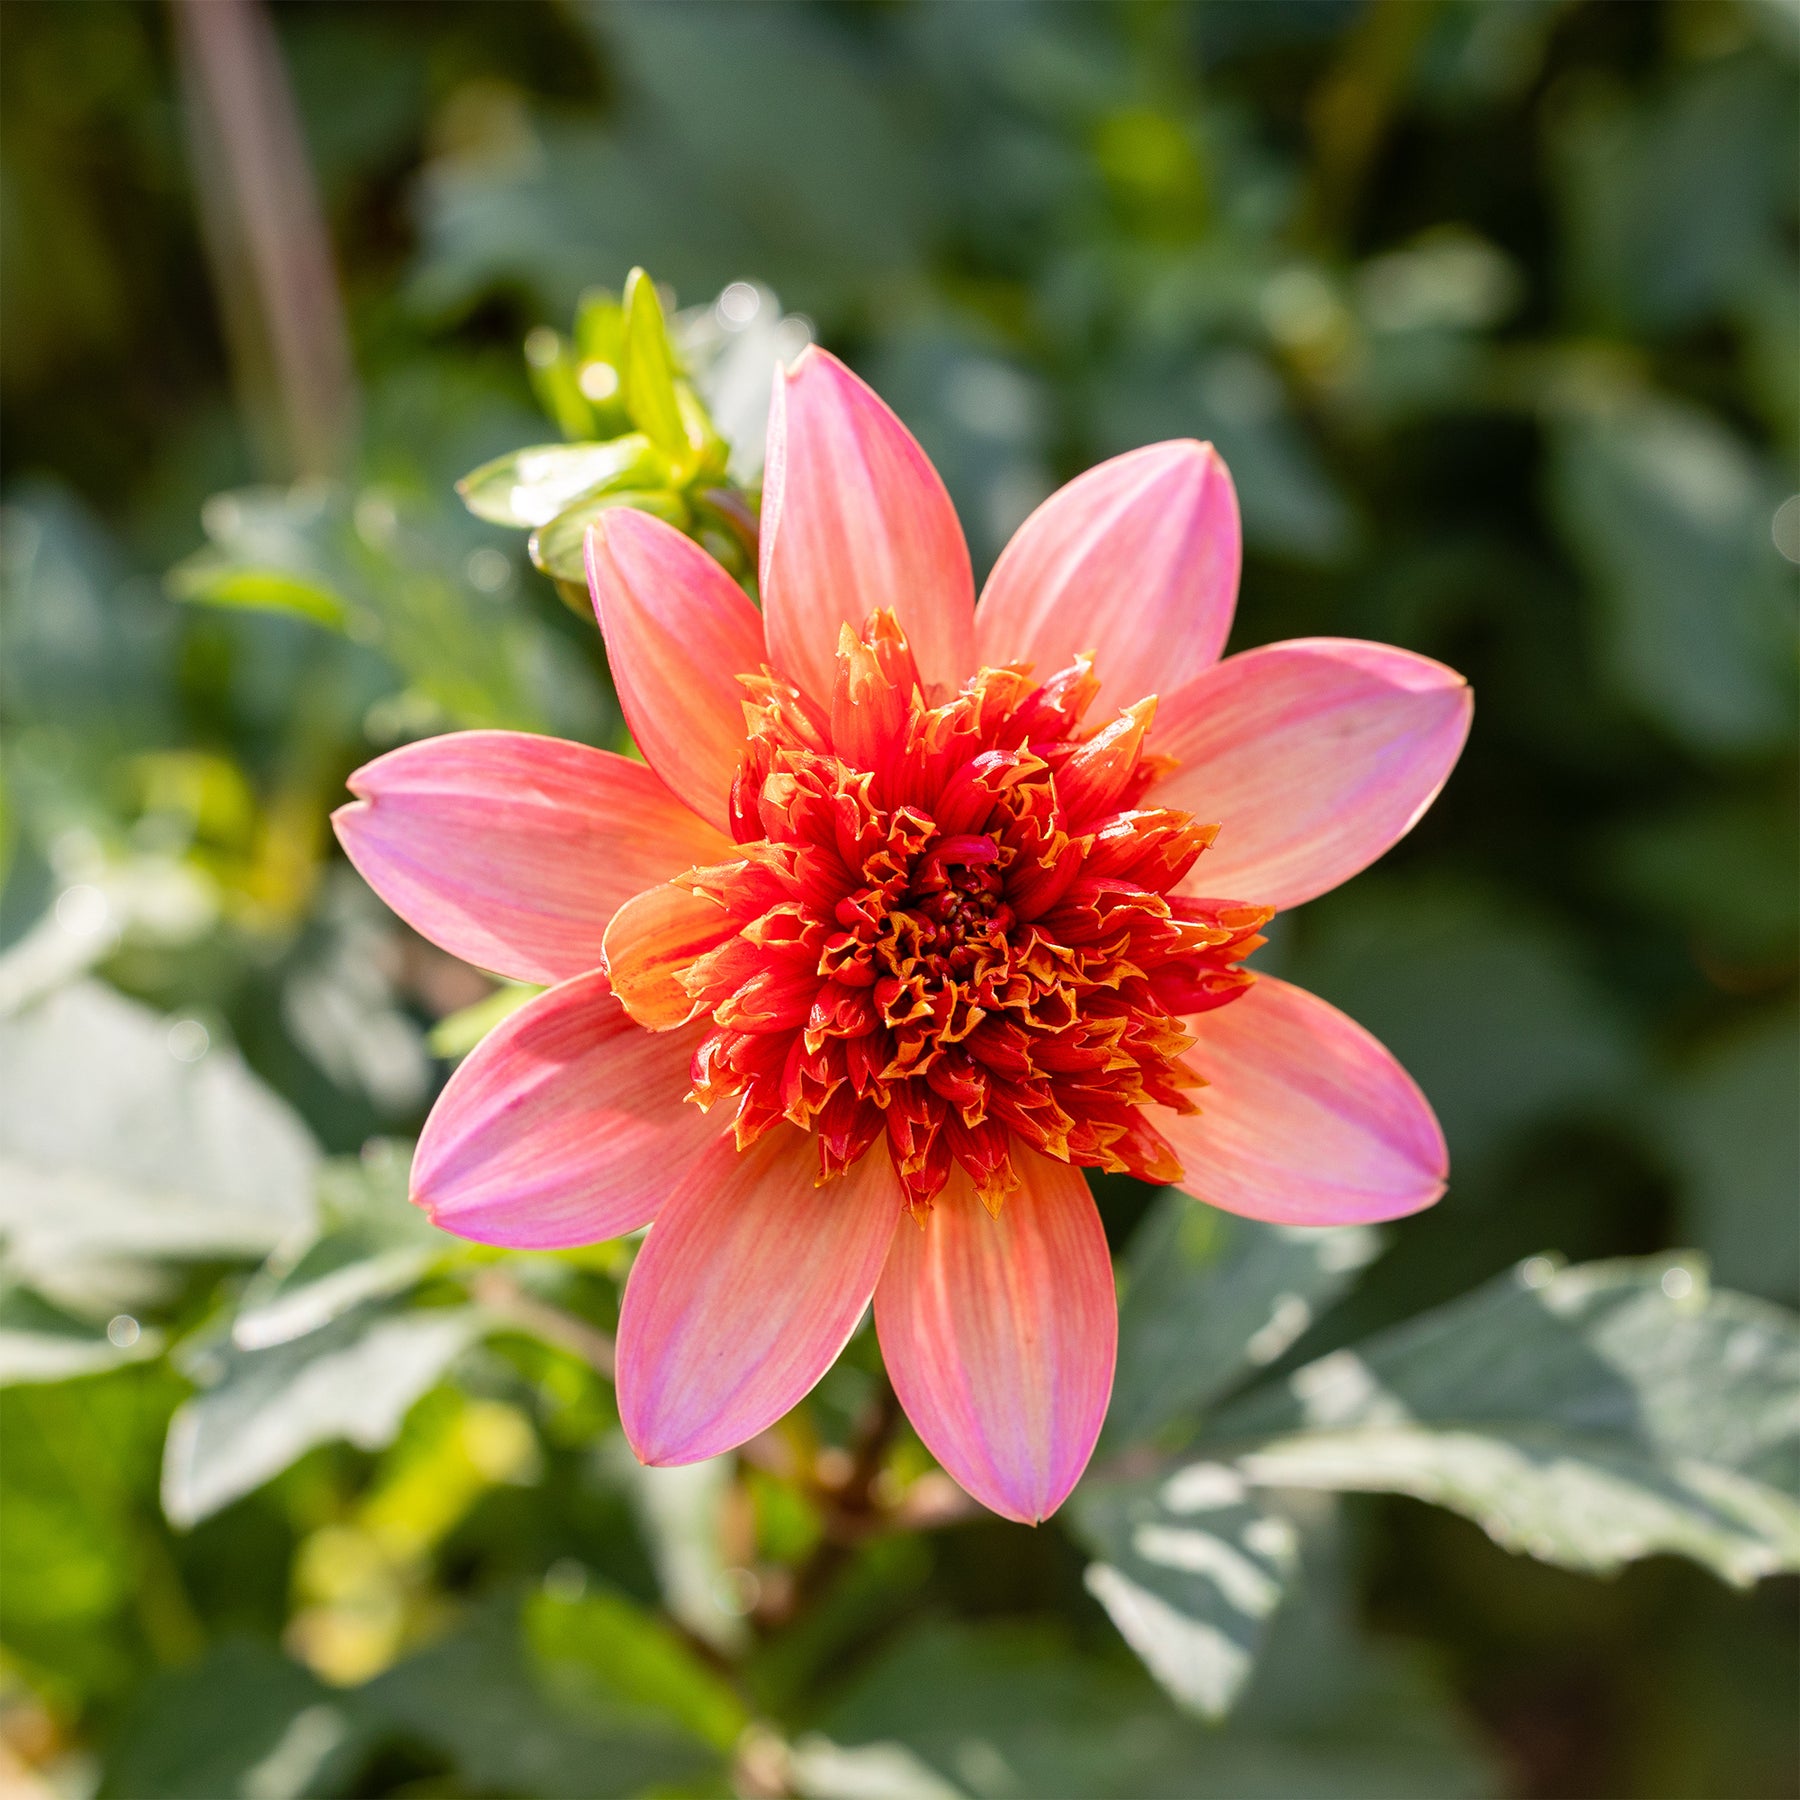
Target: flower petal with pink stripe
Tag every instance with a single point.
(1306, 1118)
(508, 1154)
(679, 632)
(1312, 757)
(513, 851)
(1136, 561)
(1000, 1335)
(855, 518)
(746, 1289)
(968, 932)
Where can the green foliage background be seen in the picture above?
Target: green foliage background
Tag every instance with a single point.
(1492, 310)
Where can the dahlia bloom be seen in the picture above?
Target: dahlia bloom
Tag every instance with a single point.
(914, 910)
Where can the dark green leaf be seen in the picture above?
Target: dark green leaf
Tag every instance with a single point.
(1208, 1299)
(1002, 1712)
(1732, 1118)
(244, 1724)
(476, 1698)
(1669, 512)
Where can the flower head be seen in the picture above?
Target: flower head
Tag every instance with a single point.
(917, 910)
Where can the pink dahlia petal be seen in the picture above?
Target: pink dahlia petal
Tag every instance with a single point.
(999, 1335)
(652, 940)
(1313, 757)
(1136, 560)
(513, 852)
(565, 1125)
(854, 517)
(679, 632)
(1308, 1119)
(745, 1291)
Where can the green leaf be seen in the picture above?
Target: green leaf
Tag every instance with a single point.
(1730, 1121)
(1587, 1417)
(477, 1698)
(1191, 1572)
(679, 1509)
(560, 547)
(374, 1242)
(113, 1150)
(78, 1596)
(1671, 206)
(1720, 867)
(604, 1644)
(1669, 513)
(992, 1713)
(1209, 1298)
(529, 487)
(208, 580)
(41, 1342)
(354, 1379)
(555, 378)
(1491, 1010)
(459, 1032)
(244, 1722)
(404, 571)
(648, 377)
(600, 327)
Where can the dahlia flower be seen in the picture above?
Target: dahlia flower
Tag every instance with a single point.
(914, 910)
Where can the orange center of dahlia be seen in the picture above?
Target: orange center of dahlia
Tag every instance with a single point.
(955, 923)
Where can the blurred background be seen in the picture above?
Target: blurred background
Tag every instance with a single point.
(1492, 310)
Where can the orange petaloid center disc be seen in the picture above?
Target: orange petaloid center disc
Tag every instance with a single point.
(955, 923)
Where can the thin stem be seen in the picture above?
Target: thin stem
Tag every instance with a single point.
(501, 1294)
(265, 235)
(853, 1510)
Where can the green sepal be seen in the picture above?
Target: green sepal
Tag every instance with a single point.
(556, 380)
(530, 487)
(648, 374)
(558, 547)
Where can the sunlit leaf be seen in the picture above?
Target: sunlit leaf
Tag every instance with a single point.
(1191, 1570)
(260, 590)
(530, 487)
(372, 1242)
(1587, 1417)
(649, 370)
(41, 1342)
(353, 1379)
(113, 1148)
